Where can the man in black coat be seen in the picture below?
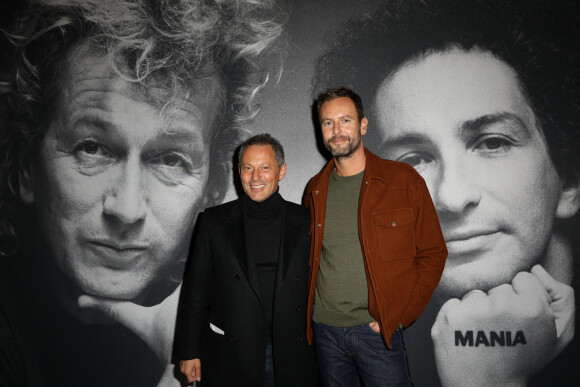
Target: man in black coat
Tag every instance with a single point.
(243, 311)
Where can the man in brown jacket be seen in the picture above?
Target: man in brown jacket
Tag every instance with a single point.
(377, 252)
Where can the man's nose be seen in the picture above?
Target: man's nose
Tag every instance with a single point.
(456, 189)
(125, 199)
(256, 174)
(335, 128)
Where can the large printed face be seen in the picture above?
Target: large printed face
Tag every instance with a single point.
(461, 120)
(117, 186)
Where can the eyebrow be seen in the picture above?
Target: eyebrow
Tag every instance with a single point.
(474, 125)
(487, 120)
(412, 138)
(179, 133)
(167, 134)
(341, 116)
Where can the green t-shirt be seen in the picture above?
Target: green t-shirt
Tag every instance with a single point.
(341, 297)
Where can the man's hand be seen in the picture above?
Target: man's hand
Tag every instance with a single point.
(375, 326)
(155, 325)
(191, 369)
(471, 335)
(563, 305)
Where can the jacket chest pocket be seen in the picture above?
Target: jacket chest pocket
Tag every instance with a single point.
(395, 233)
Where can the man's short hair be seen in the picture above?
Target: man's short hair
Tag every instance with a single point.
(537, 38)
(339, 92)
(159, 45)
(263, 139)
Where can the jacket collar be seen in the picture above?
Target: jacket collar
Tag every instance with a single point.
(373, 170)
(233, 221)
(291, 228)
(373, 167)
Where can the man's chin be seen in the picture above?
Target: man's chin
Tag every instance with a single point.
(68, 297)
(92, 315)
(341, 153)
(143, 287)
(133, 294)
(456, 283)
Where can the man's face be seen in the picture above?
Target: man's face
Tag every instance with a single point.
(460, 119)
(259, 172)
(117, 186)
(341, 129)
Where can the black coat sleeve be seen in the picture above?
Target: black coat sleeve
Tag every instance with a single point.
(195, 294)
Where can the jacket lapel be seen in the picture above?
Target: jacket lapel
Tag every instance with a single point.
(235, 230)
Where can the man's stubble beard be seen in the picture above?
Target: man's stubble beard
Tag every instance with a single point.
(347, 151)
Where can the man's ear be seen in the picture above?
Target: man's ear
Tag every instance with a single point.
(25, 184)
(569, 202)
(282, 172)
(363, 126)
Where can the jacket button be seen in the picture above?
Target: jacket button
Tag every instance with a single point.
(237, 277)
(319, 225)
(233, 339)
(299, 339)
(316, 192)
(298, 308)
(297, 278)
(394, 224)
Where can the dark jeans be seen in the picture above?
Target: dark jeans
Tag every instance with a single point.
(358, 356)
(270, 380)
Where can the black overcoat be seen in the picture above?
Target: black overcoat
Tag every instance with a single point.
(220, 288)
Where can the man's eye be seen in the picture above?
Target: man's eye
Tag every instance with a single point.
(413, 160)
(91, 149)
(171, 160)
(91, 157)
(493, 145)
(172, 168)
(416, 160)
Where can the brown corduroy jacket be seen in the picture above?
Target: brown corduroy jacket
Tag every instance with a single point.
(403, 247)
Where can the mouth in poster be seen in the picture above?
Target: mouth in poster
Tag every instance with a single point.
(116, 255)
(470, 242)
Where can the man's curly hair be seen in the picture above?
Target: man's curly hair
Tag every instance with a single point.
(160, 44)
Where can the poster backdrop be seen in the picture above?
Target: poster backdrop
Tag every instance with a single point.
(118, 124)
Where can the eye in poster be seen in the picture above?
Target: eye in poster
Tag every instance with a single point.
(118, 122)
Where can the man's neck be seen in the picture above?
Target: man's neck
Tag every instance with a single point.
(351, 165)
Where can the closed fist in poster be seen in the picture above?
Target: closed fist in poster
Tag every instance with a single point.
(506, 335)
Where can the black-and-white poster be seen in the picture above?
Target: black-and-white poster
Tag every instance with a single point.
(118, 125)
